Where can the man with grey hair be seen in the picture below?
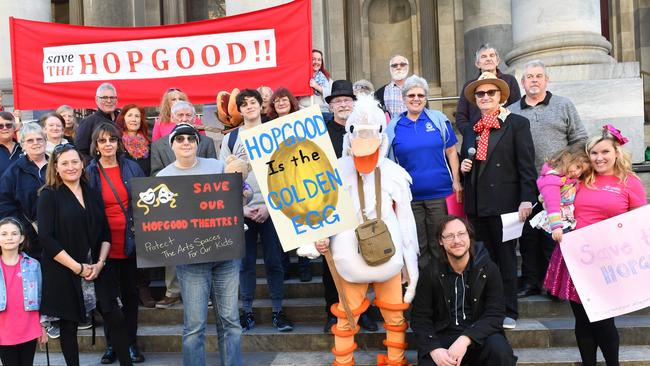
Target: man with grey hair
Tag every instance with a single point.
(555, 122)
(467, 114)
(106, 99)
(363, 87)
(390, 95)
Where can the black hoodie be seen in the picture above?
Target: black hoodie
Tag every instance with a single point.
(435, 306)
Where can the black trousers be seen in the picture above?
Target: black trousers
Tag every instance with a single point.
(495, 351)
(125, 271)
(114, 320)
(18, 354)
(536, 247)
(590, 336)
(489, 230)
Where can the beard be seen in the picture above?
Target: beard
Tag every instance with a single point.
(342, 115)
(399, 74)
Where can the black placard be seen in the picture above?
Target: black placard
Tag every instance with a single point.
(188, 219)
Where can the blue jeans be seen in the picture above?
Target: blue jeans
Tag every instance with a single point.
(218, 281)
(272, 264)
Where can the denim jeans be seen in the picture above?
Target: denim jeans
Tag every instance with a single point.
(272, 264)
(218, 281)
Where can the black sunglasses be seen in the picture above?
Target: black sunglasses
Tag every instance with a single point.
(490, 93)
(63, 148)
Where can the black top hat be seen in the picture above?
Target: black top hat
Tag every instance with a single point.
(341, 88)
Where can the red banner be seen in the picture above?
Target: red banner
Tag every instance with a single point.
(56, 64)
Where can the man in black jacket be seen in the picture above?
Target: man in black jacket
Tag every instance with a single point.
(107, 111)
(458, 308)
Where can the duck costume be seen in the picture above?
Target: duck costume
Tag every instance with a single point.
(364, 149)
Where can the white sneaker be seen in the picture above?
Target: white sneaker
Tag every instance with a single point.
(509, 323)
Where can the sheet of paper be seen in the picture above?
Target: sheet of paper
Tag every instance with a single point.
(512, 227)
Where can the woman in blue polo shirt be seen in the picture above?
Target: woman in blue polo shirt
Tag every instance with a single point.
(423, 142)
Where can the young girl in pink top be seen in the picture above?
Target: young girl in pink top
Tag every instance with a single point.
(20, 296)
(557, 185)
(610, 188)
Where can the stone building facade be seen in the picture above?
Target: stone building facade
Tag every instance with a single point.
(595, 48)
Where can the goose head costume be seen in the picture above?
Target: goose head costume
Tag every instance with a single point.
(364, 148)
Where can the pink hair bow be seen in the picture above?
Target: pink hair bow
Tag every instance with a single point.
(616, 133)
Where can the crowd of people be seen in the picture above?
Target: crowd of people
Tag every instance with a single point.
(66, 221)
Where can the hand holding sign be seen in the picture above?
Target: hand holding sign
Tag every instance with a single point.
(295, 165)
(192, 219)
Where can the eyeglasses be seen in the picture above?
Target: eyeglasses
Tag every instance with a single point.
(111, 139)
(400, 64)
(173, 90)
(6, 126)
(60, 148)
(413, 96)
(461, 235)
(342, 101)
(281, 100)
(182, 138)
(107, 99)
(38, 140)
(490, 93)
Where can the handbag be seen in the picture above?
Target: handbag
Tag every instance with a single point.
(375, 243)
(117, 197)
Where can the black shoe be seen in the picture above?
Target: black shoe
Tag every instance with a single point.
(331, 320)
(281, 322)
(134, 353)
(528, 290)
(109, 356)
(247, 320)
(367, 323)
(305, 276)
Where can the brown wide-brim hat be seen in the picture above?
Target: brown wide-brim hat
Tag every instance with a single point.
(487, 78)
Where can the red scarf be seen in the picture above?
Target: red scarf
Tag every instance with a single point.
(483, 127)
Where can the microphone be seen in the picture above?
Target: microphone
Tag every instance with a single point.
(471, 152)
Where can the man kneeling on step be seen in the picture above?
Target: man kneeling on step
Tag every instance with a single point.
(458, 307)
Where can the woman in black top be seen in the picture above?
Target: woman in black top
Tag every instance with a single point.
(74, 233)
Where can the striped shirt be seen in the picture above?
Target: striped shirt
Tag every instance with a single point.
(393, 99)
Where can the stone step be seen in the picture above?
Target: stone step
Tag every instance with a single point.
(530, 333)
(629, 356)
(312, 310)
(315, 265)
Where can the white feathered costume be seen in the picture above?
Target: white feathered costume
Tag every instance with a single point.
(398, 216)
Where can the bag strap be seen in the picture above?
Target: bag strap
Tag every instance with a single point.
(362, 198)
(232, 138)
(110, 184)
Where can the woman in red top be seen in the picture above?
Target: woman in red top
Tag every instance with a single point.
(110, 173)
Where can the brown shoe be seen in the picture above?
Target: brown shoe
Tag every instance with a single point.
(167, 302)
(145, 297)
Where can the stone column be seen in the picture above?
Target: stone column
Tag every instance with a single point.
(245, 6)
(558, 32)
(27, 9)
(173, 11)
(76, 11)
(353, 40)
(486, 21)
(429, 42)
(116, 13)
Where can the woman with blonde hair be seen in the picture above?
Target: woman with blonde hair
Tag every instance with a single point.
(610, 188)
(163, 125)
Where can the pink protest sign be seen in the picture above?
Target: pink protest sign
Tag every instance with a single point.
(609, 263)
